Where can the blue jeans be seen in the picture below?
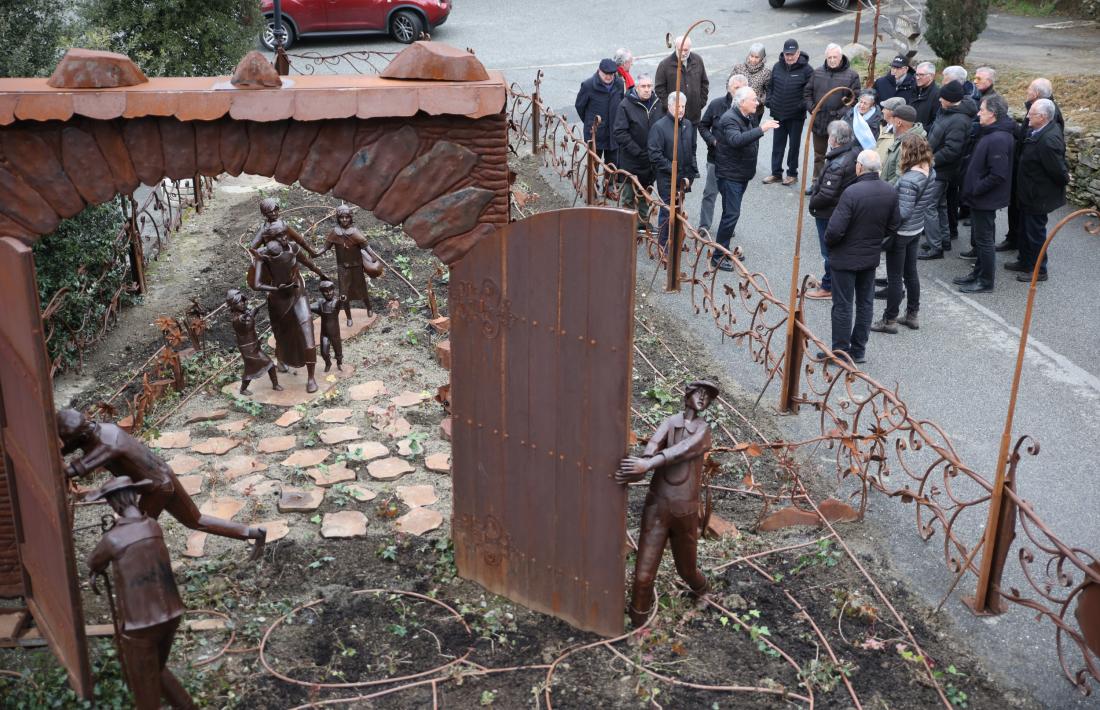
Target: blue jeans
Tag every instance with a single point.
(853, 290)
(789, 131)
(1034, 228)
(710, 196)
(827, 279)
(732, 193)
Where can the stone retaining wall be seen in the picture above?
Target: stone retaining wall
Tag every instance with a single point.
(1083, 155)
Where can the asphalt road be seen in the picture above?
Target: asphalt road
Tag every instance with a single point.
(957, 369)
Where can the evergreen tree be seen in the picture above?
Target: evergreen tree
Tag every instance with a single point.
(32, 31)
(175, 37)
(953, 25)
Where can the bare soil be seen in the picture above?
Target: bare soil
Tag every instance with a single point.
(372, 639)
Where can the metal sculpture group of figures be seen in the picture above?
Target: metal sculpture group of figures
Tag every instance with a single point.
(279, 253)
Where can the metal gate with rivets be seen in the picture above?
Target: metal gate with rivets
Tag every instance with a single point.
(542, 317)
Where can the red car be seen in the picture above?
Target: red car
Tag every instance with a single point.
(404, 20)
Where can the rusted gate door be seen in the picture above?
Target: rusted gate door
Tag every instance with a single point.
(33, 462)
(542, 329)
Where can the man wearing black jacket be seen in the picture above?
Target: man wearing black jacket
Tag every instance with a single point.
(900, 80)
(866, 215)
(637, 113)
(739, 137)
(839, 172)
(660, 155)
(784, 99)
(835, 72)
(600, 95)
(1038, 89)
(986, 189)
(1041, 188)
(707, 126)
(926, 95)
(948, 140)
(693, 79)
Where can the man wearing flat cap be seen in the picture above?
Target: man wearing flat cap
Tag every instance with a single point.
(600, 96)
(899, 80)
(108, 446)
(675, 454)
(148, 605)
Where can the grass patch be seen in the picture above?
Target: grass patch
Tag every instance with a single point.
(1028, 8)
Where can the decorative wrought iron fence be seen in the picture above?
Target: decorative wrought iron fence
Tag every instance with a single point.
(878, 444)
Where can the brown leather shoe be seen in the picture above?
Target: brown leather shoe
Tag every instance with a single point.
(789, 180)
(771, 180)
(820, 294)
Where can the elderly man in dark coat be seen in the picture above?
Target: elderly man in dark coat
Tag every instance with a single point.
(790, 76)
(708, 131)
(833, 73)
(865, 216)
(660, 155)
(600, 95)
(838, 174)
(739, 137)
(926, 95)
(1040, 88)
(638, 112)
(899, 80)
(1041, 188)
(693, 79)
(986, 188)
(948, 139)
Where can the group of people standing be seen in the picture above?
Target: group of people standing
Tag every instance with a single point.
(897, 167)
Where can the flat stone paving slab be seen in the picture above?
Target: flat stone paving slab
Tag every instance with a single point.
(367, 450)
(346, 523)
(234, 427)
(275, 444)
(419, 521)
(331, 475)
(172, 440)
(224, 507)
(338, 434)
(276, 529)
(297, 500)
(212, 415)
(182, 464)
(388, 469)
(193, 483)
(416, 496)
(291, 416)
(237, 466)
(366, 391)
(305, 458)
(335, 415)
(216, 446)
(439, 462)
(409, 399)
(360, 492)
(196, 545)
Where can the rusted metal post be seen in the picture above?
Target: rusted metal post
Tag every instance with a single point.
(989, 577)
(859, 18)
(137, 252)
(675, 243)
(536, 109)
(792, 376)
(590, 176)
(791, 363)
(197, 189)
(874, 44)
(282, 62)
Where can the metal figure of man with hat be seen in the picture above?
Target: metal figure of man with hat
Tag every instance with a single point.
(148, 605)
(108, 446)
(671, 514)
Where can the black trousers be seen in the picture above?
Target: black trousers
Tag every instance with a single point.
(852, 290)
(901, 267)
(1033, 236)
(789, 134)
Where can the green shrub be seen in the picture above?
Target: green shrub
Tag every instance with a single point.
(953, 25)
(175, 37)
(32, 31)
(81, 256)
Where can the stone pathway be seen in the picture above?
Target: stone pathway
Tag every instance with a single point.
(312, 467)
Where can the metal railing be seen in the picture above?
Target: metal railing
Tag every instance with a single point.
(878, 445)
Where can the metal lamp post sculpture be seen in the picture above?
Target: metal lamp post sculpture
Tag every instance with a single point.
(675, 238)
(1001, 510)
(282, 62)
(793, 357)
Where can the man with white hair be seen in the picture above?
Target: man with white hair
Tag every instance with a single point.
(1040, 88)
(693, 79)
(625, 59)
(865, 216)
(1041, 188)
(707, 131)
(739, 135)
(926, 96)
(660, 155)
(836, 176)
(833, 73)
